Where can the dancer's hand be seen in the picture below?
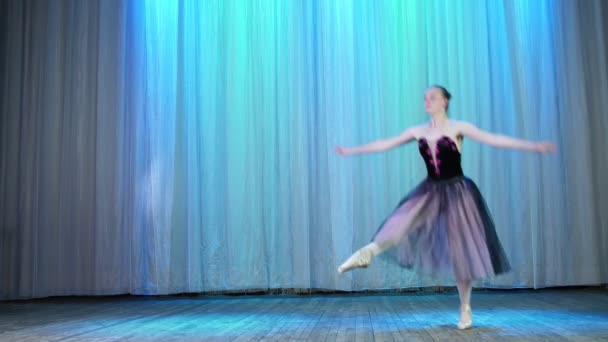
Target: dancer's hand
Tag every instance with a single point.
(545, 147)
(343, 151)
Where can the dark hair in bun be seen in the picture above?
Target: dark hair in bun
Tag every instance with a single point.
(446, 94)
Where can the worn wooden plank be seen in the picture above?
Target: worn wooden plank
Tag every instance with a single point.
(544, 315)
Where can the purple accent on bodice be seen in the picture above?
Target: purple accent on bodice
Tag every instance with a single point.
(442, 163)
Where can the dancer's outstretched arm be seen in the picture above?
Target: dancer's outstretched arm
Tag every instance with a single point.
(471, 131)
(379, 145)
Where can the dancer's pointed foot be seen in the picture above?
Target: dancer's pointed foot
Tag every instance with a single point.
(362, 258)
(466, 318)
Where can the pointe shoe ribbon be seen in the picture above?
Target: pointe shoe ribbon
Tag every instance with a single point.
(362, 258)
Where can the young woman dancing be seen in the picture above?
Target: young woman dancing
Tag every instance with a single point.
(443, 225)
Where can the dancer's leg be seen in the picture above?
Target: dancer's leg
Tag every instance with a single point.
(464, 290)
(363, 257)
(396, 227)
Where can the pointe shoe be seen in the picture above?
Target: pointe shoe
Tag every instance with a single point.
(362, 258)
(466, 318)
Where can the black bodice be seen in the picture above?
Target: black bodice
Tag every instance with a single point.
(446, 161)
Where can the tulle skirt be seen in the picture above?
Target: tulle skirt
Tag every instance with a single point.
(443, 228)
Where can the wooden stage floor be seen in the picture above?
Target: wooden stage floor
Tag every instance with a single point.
(565, 314)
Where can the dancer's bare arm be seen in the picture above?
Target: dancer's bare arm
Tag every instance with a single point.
(380, 145)
(471, 131)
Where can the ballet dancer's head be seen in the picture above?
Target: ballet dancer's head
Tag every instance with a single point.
(436, 99)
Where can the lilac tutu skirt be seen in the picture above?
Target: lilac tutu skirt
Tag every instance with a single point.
(443, 228)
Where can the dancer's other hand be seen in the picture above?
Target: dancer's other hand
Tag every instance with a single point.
(344, 151)
(545, 147)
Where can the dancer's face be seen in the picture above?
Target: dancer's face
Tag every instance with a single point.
(434, 101)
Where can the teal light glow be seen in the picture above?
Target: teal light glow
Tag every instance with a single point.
(246, 100)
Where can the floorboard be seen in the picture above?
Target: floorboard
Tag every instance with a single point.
(579, 314)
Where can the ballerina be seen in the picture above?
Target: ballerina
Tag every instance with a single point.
(443, 225)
